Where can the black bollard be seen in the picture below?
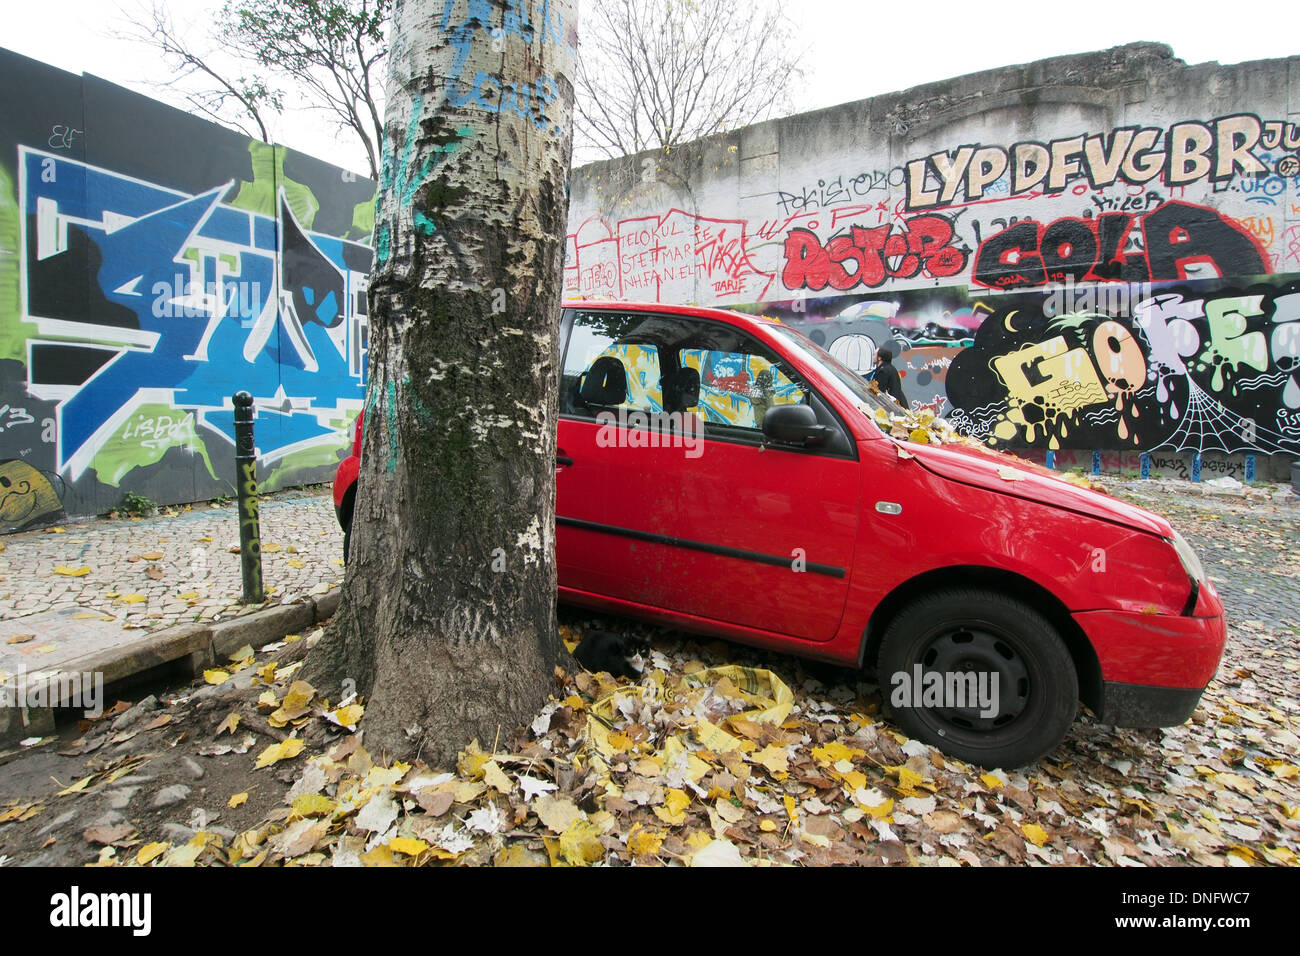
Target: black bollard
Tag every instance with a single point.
(250, 534)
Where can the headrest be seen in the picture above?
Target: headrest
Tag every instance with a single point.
(682, 389)
(605, 383)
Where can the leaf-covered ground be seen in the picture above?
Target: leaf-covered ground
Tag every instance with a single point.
(718, 755)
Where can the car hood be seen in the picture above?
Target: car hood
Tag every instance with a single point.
(985, 468)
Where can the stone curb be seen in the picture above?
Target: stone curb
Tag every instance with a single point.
(199, 645)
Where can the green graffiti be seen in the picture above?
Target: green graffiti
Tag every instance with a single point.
(143, 440)
(268, 174)
(1230, 344)
(397, 174)
(305, 465)
(14, 332)
(363, 222)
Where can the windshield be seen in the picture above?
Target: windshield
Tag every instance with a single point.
(849, 384)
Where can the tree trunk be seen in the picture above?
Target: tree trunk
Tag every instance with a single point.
(447, 619)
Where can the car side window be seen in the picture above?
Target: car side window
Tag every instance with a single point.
(604, 371)
(737, 388)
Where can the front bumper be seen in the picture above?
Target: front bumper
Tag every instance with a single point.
(1153, 666)
(1136, 705)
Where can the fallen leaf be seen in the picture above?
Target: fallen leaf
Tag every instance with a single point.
(150, 852)
(285, 750)
(229, 724)
(108, 835)
(71, 572)
(21, 638)
(237, 800)
(408, 846)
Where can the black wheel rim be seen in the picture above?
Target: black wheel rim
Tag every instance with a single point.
(958, 653)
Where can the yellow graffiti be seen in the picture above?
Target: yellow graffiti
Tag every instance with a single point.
(25, 494)
(1057, 380)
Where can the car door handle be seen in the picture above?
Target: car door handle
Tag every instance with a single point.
(563, 460)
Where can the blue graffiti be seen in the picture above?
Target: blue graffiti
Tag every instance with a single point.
(222, 299)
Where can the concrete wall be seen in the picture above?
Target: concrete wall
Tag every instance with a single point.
(152, 264)
(1088, 252)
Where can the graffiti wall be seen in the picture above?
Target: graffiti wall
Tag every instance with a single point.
(1089, 252)
(151, 265)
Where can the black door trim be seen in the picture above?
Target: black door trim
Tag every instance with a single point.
(775, 560)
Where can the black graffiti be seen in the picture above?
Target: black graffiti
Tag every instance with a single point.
(1174, 237)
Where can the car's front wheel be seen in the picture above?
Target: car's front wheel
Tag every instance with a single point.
(980, 675)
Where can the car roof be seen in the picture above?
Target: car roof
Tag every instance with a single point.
(663, 308)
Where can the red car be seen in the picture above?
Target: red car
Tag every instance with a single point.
(724, 475)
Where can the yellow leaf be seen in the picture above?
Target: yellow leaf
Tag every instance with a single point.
(24, 638)
(790, 810)
(643, 842)
(834, 751)
(313, 805)
(295, 563)
(150, 852)
(238, 800)
(285, 750)
(77, 787)
(349, 716)
(243, 654)
(990, 781)
(270, 547)
(908, 779)
(187, 596)
(677, 800)
(216, 676)
(267, 672)
(386, 776)
(71, 572)
(407, 845)
(1034, 833)
(768, 826)
(773, 758)
(152, 555)
(471, 761)
(296, 703)
(494, 776)
(580, 844)
(132, 599)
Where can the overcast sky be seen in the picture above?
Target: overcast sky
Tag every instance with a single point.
(854, 48)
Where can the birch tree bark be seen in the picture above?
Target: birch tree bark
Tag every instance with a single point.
(447, 618)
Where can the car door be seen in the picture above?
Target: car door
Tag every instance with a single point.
(718, 523)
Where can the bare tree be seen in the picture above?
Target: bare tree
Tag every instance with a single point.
(328, 52)
(447, 620)
(205, 82)
(331, 50)
(653, 74)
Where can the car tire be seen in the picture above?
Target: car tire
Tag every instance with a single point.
(980, 632)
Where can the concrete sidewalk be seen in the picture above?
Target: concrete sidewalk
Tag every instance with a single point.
(118, 596)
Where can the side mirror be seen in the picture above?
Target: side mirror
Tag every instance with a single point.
(794, 425)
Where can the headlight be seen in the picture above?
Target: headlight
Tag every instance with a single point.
(1191, 563)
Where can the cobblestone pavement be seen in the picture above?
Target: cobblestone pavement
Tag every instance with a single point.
(171, 568)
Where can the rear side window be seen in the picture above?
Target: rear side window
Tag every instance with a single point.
(604, 370)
